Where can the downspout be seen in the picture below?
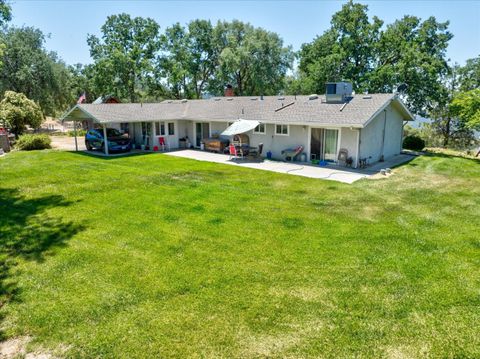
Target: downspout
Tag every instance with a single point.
(402, 136)
(358, 146)
(382, 157)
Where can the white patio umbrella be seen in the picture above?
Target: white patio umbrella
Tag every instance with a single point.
(240, 126)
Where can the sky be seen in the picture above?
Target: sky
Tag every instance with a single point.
(297, 22)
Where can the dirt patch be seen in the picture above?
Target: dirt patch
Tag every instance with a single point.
(17, 348)
(278, 344)
(13, 347)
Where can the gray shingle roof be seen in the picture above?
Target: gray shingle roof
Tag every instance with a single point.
(272, 109)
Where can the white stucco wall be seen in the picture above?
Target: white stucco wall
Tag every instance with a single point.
(172, 140)
(349, 141)
(372, 135)
(393, 133)
(297, 135)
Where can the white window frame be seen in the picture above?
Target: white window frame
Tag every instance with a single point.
(260, 132)
(282, 134)
(158, 126)
(167, 128)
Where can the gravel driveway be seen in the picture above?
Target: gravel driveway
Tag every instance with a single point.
(67, 143)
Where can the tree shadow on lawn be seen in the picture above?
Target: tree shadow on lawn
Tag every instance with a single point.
(113, 156)
(27, 233)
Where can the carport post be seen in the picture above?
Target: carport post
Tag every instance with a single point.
(105, 139)
(75, 133)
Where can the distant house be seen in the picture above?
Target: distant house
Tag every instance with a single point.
(365, 126)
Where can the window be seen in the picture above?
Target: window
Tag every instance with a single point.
(124, 127)
(260, 129)
(281, 130)
(160, 129)
(171, 128)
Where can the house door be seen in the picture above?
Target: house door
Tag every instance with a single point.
(202, 130)
(316, 143)
(324, 144)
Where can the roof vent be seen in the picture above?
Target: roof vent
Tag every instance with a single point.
(338, 92)
(254, 98)
(230, 99)
(367, 97)
(313, 97)
(217, 99)
(281, 98)
(184, 100)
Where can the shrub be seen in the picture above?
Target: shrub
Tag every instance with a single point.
(80, 133)
(413, 143)
(33, 142)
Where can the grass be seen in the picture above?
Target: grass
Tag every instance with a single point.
(153, 256)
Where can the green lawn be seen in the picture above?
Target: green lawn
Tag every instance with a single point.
(154, 256)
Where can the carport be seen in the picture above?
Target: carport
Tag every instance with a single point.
(78, 114)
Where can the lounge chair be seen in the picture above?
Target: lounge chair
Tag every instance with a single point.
(290, 153)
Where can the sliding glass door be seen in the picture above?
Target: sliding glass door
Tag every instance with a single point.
(331, 145)
(202, 130)
(323, 144)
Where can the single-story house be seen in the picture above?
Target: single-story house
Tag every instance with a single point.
(367, 126)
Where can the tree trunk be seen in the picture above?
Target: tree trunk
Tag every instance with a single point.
(446, 134)
(132, 88)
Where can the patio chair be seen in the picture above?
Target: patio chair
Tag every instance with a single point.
(162, 143)
(342, 156)
(234, 151)
(258, 152)
(290, 153)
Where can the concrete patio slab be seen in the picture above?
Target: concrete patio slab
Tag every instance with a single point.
(331, 172)
(334, 173)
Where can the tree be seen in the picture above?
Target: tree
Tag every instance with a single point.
(356, 49)
(452, 114)
(5, 12)
(81, 80)
(469, 75)
(124, 55)
(17, 111)
(413, 52)
(466, 105)
(204, 58)
(175, 64)
(346, 51)
(253, 60)
(28, 68)
(204, 54)
(5, 16)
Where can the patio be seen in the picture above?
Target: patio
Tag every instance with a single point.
(331, 172)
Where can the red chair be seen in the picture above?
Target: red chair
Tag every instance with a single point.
(162, 143)
(233, 151)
